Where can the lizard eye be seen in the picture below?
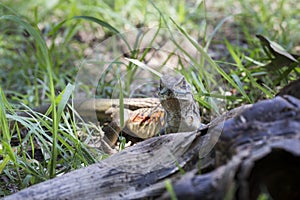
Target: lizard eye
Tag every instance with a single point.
(183, 84)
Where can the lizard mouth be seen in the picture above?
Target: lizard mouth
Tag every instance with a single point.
(170, 96)
(166, 94)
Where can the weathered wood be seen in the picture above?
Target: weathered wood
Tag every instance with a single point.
(272, 169)
(258, 152)
(252, 153)
(90, 108)
(125, 175)
(97, 108)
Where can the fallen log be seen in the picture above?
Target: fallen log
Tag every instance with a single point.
(257, 151)
(93, 109)
(272, 170)
(124, 175)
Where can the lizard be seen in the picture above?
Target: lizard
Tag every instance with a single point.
(178, 112)
(175, 111)
(182, 111)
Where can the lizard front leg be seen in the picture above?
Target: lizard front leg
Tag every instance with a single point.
(142, 123)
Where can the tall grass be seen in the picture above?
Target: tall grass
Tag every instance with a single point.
(43, 58)
(60, 145)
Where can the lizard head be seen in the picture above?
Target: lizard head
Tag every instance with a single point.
(174, 92)
(174, 87)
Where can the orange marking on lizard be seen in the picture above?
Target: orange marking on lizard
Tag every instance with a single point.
(148, 118)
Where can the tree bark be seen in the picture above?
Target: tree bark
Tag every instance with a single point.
(257, 151)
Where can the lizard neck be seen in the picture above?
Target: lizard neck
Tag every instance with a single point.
(181, 115)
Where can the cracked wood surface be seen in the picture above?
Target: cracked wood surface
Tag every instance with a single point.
(135, 172)
(252, 150)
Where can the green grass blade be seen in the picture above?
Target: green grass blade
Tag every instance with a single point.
(181, 11)
(98, 21)
(43, 58)
(104, 24)
(63, 99)
(3, 118)
(218, 27)
(34, 33)
(9, 151)
(121, 103)
(210, 61)
(143, 66)
(170, 189)
(249, 75)
(4, 162)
